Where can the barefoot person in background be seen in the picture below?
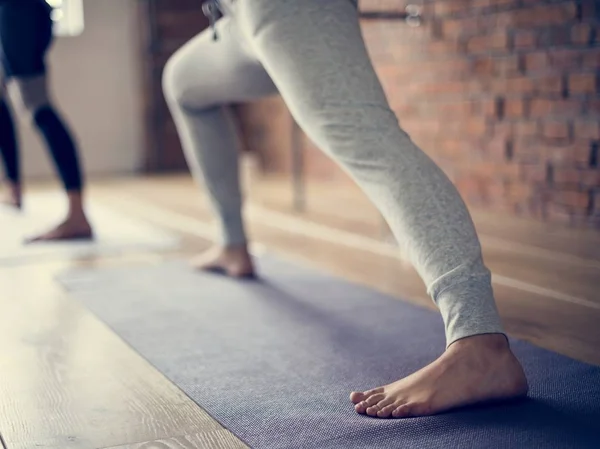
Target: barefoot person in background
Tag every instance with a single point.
(25, 37)
(312, 53)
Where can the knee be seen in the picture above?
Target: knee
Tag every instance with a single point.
(169, 80)
(174, 80)
(187, 81)
(32, 93)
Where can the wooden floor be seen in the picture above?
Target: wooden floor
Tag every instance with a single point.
(67, 381)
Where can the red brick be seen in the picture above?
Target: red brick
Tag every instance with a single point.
(453, 109)
(487, 3)
(542, 107)
(442, 48)
(566, 176)
(453, 28)
(447, 87)
(502, 129)
(549, 84)
(558, 130)
(474, 127)
(553, 36)
(527, 151)
(590, 178)
(593, 106)
(574, 155)
(537, 61)
(591, 58)
(496, 41)
(520, 85)
(526, 129)
(483, 66)
(450, 7)
(581, 33)
(544, 15)
(506, 66)
(533, 173)
(454, 148)
(433, 70)
(565, 58)
(583, 83)
(515, 108)
(497, 149)
(524, 39)
(518, 191)
(572, 198)
(587, 129)
(491, 108)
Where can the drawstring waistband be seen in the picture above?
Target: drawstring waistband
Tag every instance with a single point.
(212, 10)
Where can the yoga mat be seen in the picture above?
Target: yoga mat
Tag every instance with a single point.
(275, 360)
(115, 233)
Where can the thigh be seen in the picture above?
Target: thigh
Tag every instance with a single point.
(25, 35)
(205, 72)
(316, 56)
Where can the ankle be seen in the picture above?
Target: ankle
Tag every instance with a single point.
(14, 187)
(241, 248)
(494, 343)
(77, 217)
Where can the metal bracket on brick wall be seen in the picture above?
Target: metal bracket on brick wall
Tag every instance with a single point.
(411, 15)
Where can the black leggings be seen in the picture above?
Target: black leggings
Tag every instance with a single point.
(25, 37)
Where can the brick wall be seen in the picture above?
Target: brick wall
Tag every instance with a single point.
(503, 94)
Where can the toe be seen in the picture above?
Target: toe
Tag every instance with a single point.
(386, 411)
(403, 411)
(361, 407)
(357, 396)
(385, 402)
(372, 411)
(376, 403)
(376, 398)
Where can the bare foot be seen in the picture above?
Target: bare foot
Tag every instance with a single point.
(13, 195)
(75, 227)
(472, 370)
(234, 261)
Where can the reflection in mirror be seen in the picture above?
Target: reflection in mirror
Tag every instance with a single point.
(67, 16)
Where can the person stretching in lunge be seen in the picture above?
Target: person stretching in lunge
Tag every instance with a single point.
(313, 54)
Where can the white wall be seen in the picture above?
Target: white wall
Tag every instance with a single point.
(96, 82)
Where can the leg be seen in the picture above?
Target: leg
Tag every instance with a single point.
(199, 81)
(9, 152)
(33, 93)
(315, 55)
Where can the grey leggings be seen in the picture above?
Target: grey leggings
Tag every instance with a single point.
(312, 53)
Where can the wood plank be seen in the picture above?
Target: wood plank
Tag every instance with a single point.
(67, 381)
(219, 439)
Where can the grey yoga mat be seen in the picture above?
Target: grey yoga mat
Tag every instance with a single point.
(274, 360)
